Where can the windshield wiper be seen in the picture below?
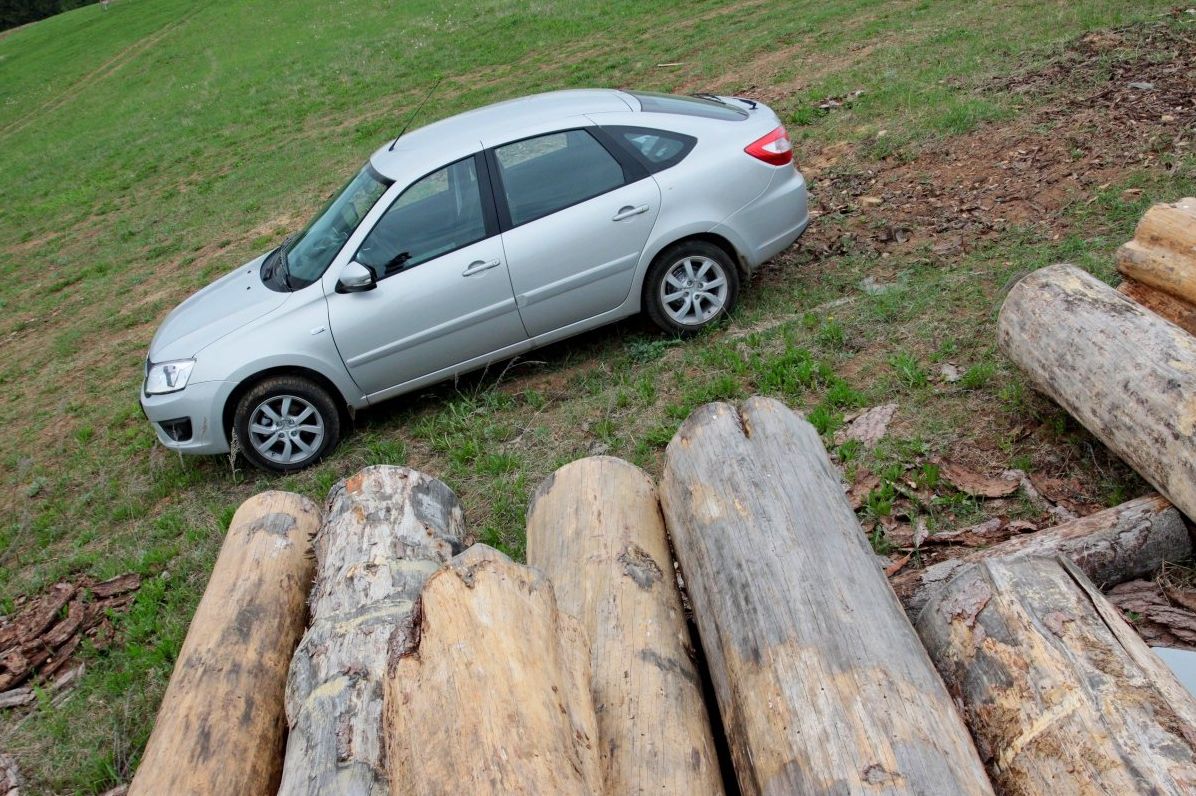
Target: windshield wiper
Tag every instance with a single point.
(281, 260)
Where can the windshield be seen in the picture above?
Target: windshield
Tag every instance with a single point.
(309, 254)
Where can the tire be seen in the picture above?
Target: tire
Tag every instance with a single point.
(703, 279)
(313, 431)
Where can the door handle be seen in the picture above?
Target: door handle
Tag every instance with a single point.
(629, 211)
(477, 266)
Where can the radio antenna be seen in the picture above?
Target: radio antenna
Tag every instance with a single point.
(415, 112)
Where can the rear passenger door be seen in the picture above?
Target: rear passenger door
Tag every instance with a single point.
(576, 214)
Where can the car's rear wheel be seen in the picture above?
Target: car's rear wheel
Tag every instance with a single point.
(689, 286)
(286, 423)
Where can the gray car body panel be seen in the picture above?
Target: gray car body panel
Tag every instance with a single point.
(557, 276)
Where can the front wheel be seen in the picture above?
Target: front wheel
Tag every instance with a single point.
(286, 423)
(689, 286)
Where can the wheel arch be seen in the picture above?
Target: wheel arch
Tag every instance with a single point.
(741, 263)
(247, 384)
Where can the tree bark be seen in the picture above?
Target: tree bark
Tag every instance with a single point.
(1178, 311)
(1112, 546)
(221, 727)
(387, 529)
(1163, 251)
(491, 694)
(821, 681)
(1126, 374)
(595, 529)
(1061, 694)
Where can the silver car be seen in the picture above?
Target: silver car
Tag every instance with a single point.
(473, 240)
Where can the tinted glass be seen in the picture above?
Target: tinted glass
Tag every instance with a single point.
(689, 106)
(550, 172)
(658, 148)
(440, 213)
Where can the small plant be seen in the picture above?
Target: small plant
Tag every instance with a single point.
(927, 476)
(880, 543)
(831, 334)
(849, 451)
(385, 451)
(977, 376)
(908, 370)
(646, 349)
(824, 419)
(842, 395)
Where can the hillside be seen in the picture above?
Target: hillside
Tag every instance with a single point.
(148, 149)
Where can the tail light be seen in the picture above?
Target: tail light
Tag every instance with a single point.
(773, 148)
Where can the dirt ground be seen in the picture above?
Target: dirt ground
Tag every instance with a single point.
(1103, 114)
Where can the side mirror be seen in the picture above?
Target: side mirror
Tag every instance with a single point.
(356, 278)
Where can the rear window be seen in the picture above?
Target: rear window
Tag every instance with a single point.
(652, 102)
(656, 149)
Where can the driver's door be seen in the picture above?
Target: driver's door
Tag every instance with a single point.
(443, 301)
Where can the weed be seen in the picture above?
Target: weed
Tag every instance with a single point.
(977, 376)
(909, 372)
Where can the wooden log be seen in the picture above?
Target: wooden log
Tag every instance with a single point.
(1112, 546)
(387, 529)
(221, 726)
(491, 694)
(1060, 693)
(821, 682)
(594, 528)
(1126, 374)
(1163, 251)
(1178, 311)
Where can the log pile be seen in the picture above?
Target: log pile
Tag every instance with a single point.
(428, 665)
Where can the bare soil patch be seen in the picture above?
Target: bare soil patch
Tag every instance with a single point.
(1114, 100)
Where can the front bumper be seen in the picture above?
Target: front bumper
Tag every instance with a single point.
(202, 404)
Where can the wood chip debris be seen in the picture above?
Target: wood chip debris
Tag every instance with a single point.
(869, 427)
(40, 640)
(1157, 613)
(972, 483)
(10, 777)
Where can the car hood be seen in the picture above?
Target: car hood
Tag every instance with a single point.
(224, 306)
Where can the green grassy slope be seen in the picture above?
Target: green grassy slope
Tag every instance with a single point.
(147, 149)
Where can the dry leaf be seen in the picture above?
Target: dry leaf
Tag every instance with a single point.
(869, 427)
(898, 565)
(865, 482)
(975, 484)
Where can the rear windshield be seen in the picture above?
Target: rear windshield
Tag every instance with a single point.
(652, 102)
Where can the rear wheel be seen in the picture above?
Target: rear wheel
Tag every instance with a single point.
(286, 423)
(689, 286)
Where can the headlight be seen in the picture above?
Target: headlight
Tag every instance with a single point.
(165, 377)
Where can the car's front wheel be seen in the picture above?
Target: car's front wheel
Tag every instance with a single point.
(286, 423)
(689, 286)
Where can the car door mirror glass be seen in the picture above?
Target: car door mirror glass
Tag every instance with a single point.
(356, 278)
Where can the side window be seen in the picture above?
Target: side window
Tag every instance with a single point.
(551, 172)
(656, 149)
(438, 214)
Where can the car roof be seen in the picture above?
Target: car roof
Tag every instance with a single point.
(459, 135)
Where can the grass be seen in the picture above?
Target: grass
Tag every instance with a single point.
(151, 148)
